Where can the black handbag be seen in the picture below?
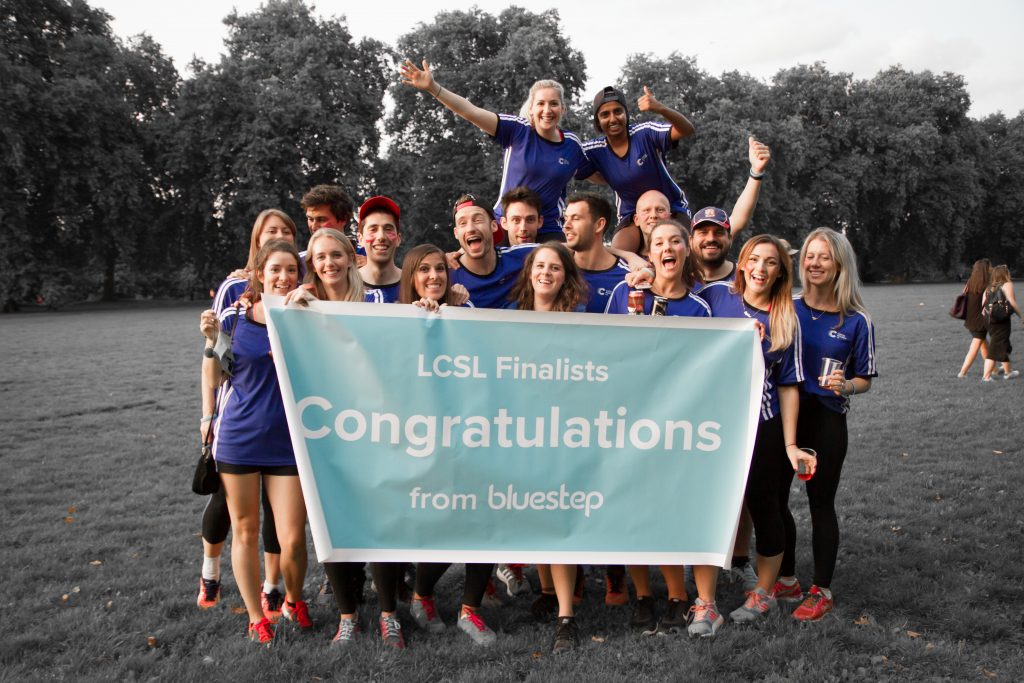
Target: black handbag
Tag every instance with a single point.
(959, 310)
(206, 479)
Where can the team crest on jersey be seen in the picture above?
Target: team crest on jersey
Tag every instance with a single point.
(835, 334)
(641, 160)
(563, 161)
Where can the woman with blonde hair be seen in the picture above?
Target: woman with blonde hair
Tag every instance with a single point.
(1000, 290)
(331, 268)
(834, 325)
(763, 292)
(975, 288)
(537, 153)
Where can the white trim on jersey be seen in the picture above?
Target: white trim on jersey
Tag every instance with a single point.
(871, 342)
(700, 301)
(218, 299)
(798, 350)
(504, 179)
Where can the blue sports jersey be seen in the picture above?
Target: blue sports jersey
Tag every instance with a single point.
(491, 290)
(600, 284)
(543, 166)
(699, 286)
(251, 428)
(781, 368)
(690, 305)
(641, 169)
(852, 342)
(385, 294)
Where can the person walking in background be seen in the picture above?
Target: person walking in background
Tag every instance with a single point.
(1000, 290)
(981, 273)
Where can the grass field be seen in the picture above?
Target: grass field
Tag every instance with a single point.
(100, 548)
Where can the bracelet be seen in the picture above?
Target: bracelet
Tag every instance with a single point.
(756, 176)
(208, 418)
(439, 89)
(853, 389)
(790, 444)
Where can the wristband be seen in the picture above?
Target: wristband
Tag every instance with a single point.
(208, 418)
(208, 352)
(756, 176)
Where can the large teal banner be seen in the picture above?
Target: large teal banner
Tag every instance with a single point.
(511, 436)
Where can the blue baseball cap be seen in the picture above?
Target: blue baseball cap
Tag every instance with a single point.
(711, 214)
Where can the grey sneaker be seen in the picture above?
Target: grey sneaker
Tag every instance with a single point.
(348, 629)
(424, 613)
(644, 618)
(674, 620)
(472, 625)
(514, 581)
(756, 606)
(567, 636)
(1011, 375)
(745, 575)
(705, 619)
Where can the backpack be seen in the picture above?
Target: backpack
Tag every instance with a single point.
(997, 307)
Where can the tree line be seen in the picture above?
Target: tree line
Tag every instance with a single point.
(123, 177)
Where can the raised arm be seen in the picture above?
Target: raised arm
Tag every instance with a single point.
(759, 155)
(681, 126)
(423, 79)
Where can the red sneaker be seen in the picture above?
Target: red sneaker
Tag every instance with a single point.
(262, 632)
(298, 614)
(615, 594)
(787, 593)
(271, 603)
(814, 607)
(209, 593)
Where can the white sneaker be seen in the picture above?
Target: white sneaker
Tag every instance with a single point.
(1015, 373)
(514, 581)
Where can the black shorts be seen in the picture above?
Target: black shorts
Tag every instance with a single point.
(270, 470)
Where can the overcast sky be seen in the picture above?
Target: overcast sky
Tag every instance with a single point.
(979, 40)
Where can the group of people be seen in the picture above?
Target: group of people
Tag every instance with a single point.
(663, 260)
(987, 288)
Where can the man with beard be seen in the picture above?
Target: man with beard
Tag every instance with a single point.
(521, 219)
(587, 216)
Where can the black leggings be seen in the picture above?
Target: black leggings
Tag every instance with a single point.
(217, 522)
(823, 430)
(347, 583)
(386, 576)
(477, 576)
(767, 495)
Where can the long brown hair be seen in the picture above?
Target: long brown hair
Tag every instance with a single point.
(407, 285)
(781, 313)
(574, 290)
(981, 273)
(1000, 275)
(255, 289)
(257, 229)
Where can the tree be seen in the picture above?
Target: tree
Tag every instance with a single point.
(435, 156)
(294, 102)
(76, 179)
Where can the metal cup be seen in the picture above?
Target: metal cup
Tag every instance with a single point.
(803, 471)
(828, 366)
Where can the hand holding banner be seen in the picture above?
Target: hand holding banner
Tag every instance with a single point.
(514, 436)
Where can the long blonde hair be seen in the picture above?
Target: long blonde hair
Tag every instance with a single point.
(846, 287)
(524, 111)
(257, 229)
(781, 313)
(355, 282)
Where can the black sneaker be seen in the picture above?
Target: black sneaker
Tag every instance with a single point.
(675, 617)
(544, 606)
(567, 636)
(644, 618)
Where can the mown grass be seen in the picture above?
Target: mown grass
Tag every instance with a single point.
(100, 548)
